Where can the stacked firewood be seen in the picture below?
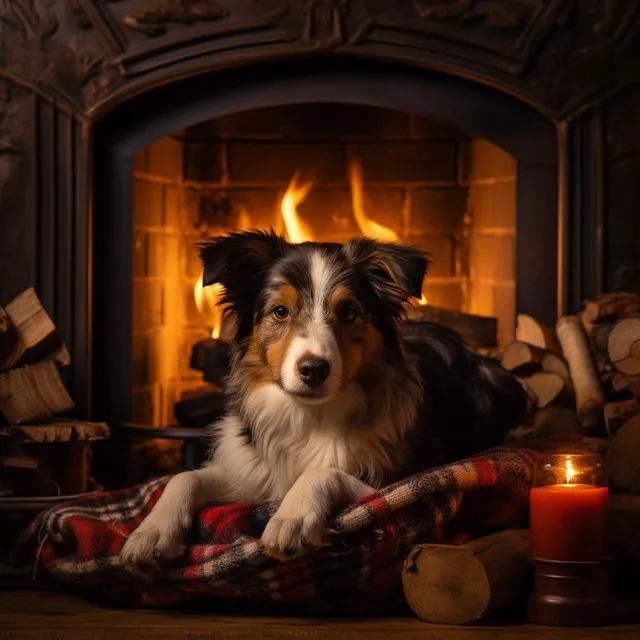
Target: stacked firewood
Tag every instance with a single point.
(41, 453)
(583, 376)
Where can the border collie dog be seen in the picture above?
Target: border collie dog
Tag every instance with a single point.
(326, 401)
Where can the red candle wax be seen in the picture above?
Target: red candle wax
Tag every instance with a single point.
(568, 522)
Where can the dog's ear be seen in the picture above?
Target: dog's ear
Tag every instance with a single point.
(240, 262)
(394, 271)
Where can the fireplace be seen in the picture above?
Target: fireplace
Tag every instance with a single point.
(519, 115)
(313, 173)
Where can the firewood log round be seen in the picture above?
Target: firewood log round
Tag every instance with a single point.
(549, 388)
(624, 346)
(531, 331)
(586, 382)
(623, 460)
(458, 585)
(617, 414)
(525, 359)
(621, 385)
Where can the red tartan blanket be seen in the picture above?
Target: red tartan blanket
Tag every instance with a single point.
(78, 544)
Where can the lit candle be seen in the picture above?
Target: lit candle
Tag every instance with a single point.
(568, 508)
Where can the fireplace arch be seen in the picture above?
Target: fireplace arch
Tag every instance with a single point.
(507, 122)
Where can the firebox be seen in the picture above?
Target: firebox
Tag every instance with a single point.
(321, 150)
(312, 173)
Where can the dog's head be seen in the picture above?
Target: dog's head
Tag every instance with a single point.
(310, 316)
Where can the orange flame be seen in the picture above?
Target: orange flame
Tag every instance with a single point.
(423, 300)
(367, 226)
(207, 299)
(297, 231)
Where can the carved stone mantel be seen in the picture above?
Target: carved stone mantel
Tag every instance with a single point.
(64, 64)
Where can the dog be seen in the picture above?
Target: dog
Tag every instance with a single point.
(326, 401)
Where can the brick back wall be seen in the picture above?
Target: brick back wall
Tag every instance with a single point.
(165, 320)
(436, 187)
(238, 167)
(492, 230)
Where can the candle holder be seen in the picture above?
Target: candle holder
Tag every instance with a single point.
(572, 586)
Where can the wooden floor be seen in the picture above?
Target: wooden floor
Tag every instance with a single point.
(43, 614)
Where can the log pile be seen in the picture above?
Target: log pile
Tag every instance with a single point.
(583, 376)
(40, 453)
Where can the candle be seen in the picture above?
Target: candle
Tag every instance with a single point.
(568, 508)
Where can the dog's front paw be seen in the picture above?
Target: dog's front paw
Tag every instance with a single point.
(286, 537)
(149, 543)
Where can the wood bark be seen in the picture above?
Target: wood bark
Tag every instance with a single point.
(610, 307)
(459, 585)
(586, 382)
(556, 420)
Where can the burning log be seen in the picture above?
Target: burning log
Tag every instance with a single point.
(589, 396)
(477, 331)
(537, 334)
(459, 585)
(525, 359)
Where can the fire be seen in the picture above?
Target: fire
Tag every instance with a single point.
(367, 226)
(297, 230)
(570, 472)
(207, 299)
(423, 300)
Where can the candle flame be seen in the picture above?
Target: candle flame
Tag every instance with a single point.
(570, 472)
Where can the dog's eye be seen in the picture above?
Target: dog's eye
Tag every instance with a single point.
(281, 312)
(348, 314)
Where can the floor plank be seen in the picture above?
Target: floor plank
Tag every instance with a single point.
(31, 614)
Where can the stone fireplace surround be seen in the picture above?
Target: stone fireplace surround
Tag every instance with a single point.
(85, 85)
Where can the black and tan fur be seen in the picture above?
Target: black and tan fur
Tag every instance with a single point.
(326, 401)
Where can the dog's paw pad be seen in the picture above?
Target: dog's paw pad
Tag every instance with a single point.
(285, 538)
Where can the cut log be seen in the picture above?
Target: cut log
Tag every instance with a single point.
(623, 461)
(624, 346)
(33, 392)
(476, 331)
(617, 414)
(622, 385)
(525, 359)
(38, 339)
(549, 388)
(458, 585)
(9, 340)
(586, 382)
(531, 331)
(610, 307)
(556, 420)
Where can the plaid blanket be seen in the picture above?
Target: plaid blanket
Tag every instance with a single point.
(78, 543)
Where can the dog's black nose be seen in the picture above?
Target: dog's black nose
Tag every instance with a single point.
(313, 370)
